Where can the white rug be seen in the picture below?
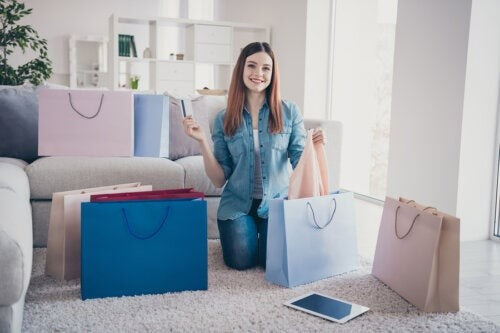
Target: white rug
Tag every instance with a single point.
(235, 301)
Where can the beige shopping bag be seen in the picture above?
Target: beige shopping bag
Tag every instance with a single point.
(310, 177)
(63, 243)
(418, 255)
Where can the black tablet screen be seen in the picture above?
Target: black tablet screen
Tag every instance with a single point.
(324, 305)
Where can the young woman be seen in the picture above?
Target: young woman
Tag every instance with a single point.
(253, 139)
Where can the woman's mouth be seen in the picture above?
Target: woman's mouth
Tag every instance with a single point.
(257, 81)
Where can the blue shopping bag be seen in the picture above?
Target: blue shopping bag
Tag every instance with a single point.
(310, 239)
(151, 125)
(143, 247)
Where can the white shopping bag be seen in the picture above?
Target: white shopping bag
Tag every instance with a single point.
(310, 239)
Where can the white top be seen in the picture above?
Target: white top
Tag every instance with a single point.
(257, 173)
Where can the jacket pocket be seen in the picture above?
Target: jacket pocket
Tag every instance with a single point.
(236, 145)
(280, 141)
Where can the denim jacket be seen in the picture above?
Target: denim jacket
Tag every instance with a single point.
(236, 157)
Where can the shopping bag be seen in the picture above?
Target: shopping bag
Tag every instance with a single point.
(148, 195)
(418, 255)
(143, 247)
(310, 239)
(85, 123)
(310, 177)
(151, 125)
(63, 243)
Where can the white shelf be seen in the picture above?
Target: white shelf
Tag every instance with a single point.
(216, 63)
(90, 71)
(136, 59)
(212, 43)
(176, 61)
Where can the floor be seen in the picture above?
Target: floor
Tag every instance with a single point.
(479, 264)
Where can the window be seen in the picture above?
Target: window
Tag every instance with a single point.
(363, 51)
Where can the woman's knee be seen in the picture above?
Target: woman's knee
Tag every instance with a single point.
(239, 242)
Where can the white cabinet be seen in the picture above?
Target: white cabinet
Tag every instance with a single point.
(212, 44)
(212, 53)
(212, 34)
(176, 77)
(207, 49)
(178, 71)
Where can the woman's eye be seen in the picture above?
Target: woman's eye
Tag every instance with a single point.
(267, 68)
(251, 66)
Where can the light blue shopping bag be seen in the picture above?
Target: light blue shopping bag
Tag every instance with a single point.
(151, 125)
(311, 239)
(143, 247)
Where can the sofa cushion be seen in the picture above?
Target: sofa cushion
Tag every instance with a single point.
(196, 177)
(19, 122)
(55, 174)
(204, 110)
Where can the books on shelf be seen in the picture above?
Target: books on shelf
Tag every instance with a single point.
(125, 44)
(132, 44)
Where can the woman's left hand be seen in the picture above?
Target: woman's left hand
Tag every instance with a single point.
(319, 135)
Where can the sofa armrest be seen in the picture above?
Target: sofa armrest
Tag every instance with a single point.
(333, 131)
(16, 234)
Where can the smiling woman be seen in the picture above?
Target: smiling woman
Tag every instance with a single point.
(255, 139)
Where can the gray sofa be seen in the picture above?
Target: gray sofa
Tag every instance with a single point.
(26, 193)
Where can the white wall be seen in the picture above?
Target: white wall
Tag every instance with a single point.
(476, 181)
(317, 53)
(288, 36)
(427, 101)
(55, 20)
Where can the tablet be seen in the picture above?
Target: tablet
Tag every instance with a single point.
(326, 307)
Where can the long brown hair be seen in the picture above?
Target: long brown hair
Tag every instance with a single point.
(237, 92)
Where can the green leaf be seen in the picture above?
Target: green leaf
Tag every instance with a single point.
(23, 37)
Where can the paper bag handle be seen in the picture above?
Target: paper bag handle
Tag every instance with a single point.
(396, 224)
(84, 116)
(308, 204)
(423, 209)
(150, 235)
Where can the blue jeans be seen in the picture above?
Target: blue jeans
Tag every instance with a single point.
(244, 239)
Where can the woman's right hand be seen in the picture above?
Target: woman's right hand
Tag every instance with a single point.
(193, 129)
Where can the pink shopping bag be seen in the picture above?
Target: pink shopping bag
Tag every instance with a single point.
(310, 177)
(418, 255)
(63, 243)
(85, 123)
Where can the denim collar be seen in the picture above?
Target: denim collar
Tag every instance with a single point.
(264, 105)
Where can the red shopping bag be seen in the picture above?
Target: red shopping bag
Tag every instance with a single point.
(184, 193)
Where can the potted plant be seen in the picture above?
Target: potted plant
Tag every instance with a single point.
(12, 36)
(134, 82)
